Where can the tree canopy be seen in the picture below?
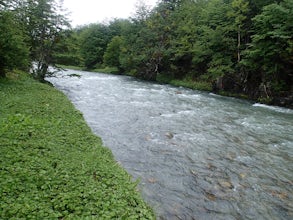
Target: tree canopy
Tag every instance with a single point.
(237, 46)
(14, 52)
(30, 30)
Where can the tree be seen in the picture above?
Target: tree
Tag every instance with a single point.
(215, 46)
(271, 51)
(243, 44)
(148, 40)
(239, 13)
(67, 51)
(13, 49)
(45, 25)
(185, 25)
(94, 41)
(137, 42)
(113, 52)
(257, 6)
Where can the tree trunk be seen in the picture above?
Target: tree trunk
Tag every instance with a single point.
(239, 44)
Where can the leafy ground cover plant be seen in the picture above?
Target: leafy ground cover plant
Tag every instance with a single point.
(52, 166)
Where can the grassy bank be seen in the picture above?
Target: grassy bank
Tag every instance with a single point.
(52, 166)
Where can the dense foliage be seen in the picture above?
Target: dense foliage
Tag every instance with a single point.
(235, 46)
(52, 166)
(13, 51)
(29, 31)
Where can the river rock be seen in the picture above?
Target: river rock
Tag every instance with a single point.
(225, 184)
(169, 135)
(152, 180)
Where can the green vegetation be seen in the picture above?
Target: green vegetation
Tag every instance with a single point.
(113, 70)
(29, 33)
(52, 166)
(232, 46)
(187, 82)
(70, 67)
(239, 47)
(13, 50)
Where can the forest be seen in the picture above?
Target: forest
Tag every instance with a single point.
(231, 47)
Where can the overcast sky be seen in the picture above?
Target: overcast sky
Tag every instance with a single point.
(92, 11)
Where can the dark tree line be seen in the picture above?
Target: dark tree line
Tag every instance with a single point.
(234, 46)
(237, 46)
(29, 33)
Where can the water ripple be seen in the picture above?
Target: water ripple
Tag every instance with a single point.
(198, 155)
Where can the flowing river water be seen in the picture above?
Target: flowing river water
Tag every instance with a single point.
(197, 155)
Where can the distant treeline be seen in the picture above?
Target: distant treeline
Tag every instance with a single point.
(236, 46)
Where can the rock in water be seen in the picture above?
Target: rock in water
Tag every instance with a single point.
(169, 135)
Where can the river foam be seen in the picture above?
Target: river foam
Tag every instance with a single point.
(197, 155)
(274, 108)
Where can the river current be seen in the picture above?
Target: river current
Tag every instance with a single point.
(197, 155)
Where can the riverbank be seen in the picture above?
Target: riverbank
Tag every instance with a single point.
(284, 101)
(52, 166)
(191, 150)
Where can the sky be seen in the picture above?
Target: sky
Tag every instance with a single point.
(93, 11)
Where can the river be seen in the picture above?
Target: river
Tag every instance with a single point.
(197, 155)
